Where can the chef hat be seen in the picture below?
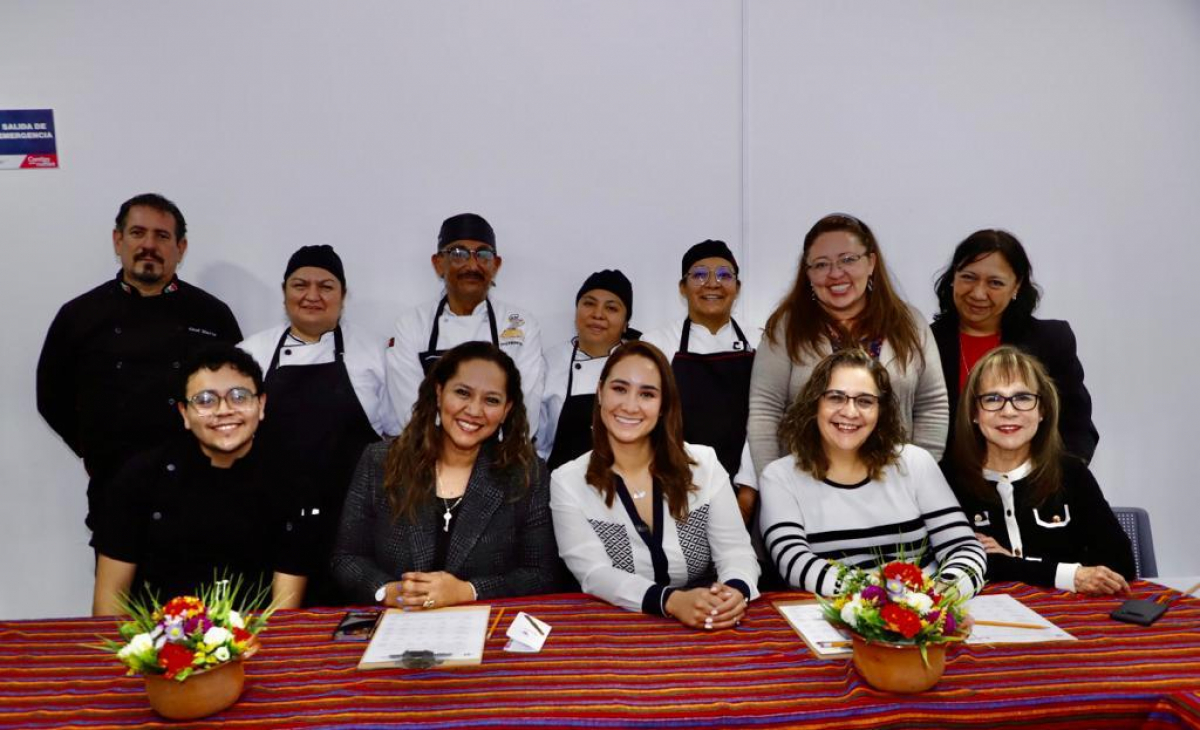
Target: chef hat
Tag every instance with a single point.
(321, 256)
(610, 280)
(707, 250)
(465, 227)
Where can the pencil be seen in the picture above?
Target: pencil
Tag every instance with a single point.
(495, 623)
(1010, 625)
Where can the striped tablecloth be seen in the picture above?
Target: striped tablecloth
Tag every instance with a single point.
(603, 667)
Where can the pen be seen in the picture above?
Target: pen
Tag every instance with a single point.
(495, 624)
(435, 654)
(835, 644)
(534, 625)
(1010, 625)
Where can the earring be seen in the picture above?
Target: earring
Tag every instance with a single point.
(500, 434)
(437, 417)
(1014, 297)
(812, 291)
(871, 284)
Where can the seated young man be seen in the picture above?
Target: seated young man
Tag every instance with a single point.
(201, 506)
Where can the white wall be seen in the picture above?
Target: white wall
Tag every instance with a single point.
(608, 134)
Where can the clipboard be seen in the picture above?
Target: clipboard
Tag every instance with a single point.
(443, 637)
(822, 638)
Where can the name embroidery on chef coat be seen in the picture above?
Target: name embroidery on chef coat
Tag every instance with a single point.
(513, 334)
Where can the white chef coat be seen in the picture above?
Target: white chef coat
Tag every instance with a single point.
(703, 342)
(585, 380)
(520, 338)
(363, 358)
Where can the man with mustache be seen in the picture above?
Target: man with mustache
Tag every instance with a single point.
(466, 261)
(106, 379)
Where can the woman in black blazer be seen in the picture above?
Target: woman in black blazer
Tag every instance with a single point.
(986, 298)
(1038, 512)
(457, 507)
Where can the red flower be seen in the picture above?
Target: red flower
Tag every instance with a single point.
(186, 606)
(240, 635)
(901, 620)
(907, 573)
(174, 658)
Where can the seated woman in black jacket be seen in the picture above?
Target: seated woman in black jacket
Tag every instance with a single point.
(1038, 510)
(986, 298)
(457, 507)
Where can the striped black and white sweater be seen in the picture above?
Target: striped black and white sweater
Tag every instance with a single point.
(808, 524)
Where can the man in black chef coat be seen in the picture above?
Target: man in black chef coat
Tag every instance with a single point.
(109, 368)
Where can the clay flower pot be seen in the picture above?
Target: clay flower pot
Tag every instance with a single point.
(898, 667)
(200, 695)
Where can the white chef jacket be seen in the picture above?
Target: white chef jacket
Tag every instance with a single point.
(520, 338)
(363, 358)
(703, 342)
(558, 366)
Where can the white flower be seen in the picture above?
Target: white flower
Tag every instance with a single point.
(919, 602)
(216, 636)
(140, 644)
(235, 620)
(850, 612)
(222, 654)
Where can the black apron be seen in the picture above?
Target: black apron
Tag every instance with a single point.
(715, 392)
(316, 430)
(573, 435)
(432, 354)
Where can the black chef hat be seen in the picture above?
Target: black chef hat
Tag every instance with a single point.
(321, 256)
(706, 250)
(465, 227)
(610, 280)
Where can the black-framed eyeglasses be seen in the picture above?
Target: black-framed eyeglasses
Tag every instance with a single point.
(822, 267)
(862, 401)
(700, 275)
(1020, 401)
(239, 399)
(459, 255)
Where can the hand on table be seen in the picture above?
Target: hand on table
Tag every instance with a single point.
(1099, 580)
(715, 607)
(428, 590)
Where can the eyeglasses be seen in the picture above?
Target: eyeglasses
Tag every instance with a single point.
(823, 267)
(1020, 401)
(239, 399)
(460, 255)
(862, 401)
(700, 275)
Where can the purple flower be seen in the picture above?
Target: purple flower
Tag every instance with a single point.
(875, 594)
(896, 588)
(195, 623)
(950, 626)
(933, 616)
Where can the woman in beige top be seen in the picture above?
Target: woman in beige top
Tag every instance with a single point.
(843, 297)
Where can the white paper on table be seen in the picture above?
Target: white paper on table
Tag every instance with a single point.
(526, 634)
(1005, 608)
(455, 636)
(808, 619)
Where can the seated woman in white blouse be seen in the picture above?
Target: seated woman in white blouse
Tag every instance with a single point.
(852, 492)
(645, 521)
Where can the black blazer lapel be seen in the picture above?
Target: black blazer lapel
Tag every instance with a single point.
(483, 497)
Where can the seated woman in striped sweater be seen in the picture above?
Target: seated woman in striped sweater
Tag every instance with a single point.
(851, 491)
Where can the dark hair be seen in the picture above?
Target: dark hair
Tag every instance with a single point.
(157, 202)
(215, 357)
(969, 452)
(410, 476)
(974, 247)
(670, 466)
(801, 434)
(804, 322)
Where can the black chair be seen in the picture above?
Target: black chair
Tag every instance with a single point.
(1136, 523)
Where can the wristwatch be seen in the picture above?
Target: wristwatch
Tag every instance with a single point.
(381, 594)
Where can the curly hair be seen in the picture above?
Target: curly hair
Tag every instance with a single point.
(800, 433)
(803, 322)
(670, 466)
(969, 453)
(410, 476)
(979, 244)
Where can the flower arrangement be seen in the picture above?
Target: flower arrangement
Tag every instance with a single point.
(190, 634)
(896, 603)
